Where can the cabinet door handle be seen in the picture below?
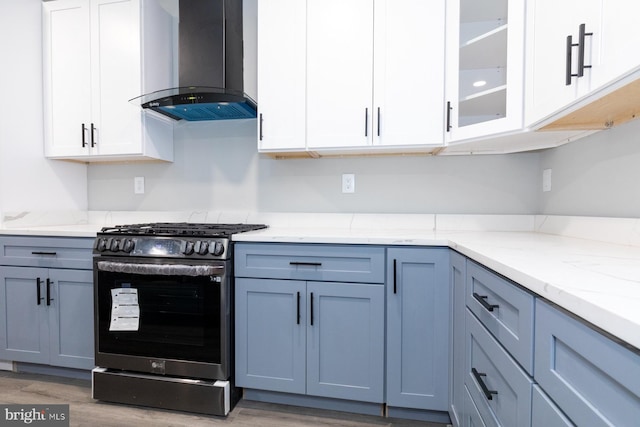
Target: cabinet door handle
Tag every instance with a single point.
(312, 264)
(311, 310)
(366, 122)
(378, 125)
(449, 108)
(395, 277)
(93, 131)
(478, 376)
(581, 36)
(43, 253)
(482, 299)
(298, 309)
(83, 131)
(568, 73)
(49, 299)
(260, 128)
(38, 293)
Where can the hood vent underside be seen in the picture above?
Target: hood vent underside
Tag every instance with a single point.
(211, 79)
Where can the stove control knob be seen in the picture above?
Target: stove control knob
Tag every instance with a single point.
(217, 248)
(202, 247)
(115, 245)
(186, 247)
(101, 245)
(126, 245)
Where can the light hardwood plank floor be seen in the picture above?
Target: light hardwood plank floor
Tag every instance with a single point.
(27, 388)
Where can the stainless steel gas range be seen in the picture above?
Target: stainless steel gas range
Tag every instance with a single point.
(163, 295)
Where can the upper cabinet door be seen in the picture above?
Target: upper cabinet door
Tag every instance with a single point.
(409, 52)
(620, 41)
(67, 76)
(281, 75)
(116, 76)
(485, 68)
(553, 58)
(339, 73)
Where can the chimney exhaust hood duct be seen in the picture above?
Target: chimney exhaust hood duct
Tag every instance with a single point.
(211, 78)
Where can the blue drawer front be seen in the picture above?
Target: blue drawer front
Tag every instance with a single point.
(330, 263)
(511, 404)
(47, 252)
(595, 381)
(545, 413)
(507, 312)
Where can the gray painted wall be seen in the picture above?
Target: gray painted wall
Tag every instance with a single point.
(217, 167)
(595, 176)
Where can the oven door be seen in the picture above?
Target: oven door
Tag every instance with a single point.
(168, 317)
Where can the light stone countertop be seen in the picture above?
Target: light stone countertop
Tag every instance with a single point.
(565, 260)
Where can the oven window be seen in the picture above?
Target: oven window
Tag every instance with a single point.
(179, 317)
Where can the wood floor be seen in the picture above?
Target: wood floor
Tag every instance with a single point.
(41, 389)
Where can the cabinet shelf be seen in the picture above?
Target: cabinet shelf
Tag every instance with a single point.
(488, 105)
(486, 50)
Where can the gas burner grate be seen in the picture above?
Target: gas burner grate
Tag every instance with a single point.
(182, 229)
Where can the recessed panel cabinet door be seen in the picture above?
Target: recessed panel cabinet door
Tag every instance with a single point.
(71, 318)
(67, 84)
(24, 331)
(345, 341)
(270, 334)
(339, 73)
(116, 76)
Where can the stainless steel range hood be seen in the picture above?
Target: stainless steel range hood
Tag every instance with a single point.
(210, 71)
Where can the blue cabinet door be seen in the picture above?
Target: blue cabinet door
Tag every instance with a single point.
(71, 318)
(418, 328)
(345, 341)
(456, 381)
(270, 334)
(24, 328)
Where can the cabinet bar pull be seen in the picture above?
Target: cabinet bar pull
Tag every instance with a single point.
(378, 121)
(482, 299)
(312, 264)
(568, 74)
(83, 131)
(581, 36)
(449, 108)
(38, 294)
(478, 376)
(395, 277)
(311, 310)
(260, 128)
(298, 310)
(366, 122)
(43, 253)
(49, 299)
(93, 129)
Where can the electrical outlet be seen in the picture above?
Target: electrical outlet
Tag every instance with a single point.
(348, 183)
(138, 185)
(546, 180)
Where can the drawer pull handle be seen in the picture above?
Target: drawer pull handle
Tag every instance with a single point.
(298, 310)
(478, 376)
(44, 253)
(482, 299)
(311, 264)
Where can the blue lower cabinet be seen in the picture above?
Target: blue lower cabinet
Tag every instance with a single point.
(545, 413)
(418, 320)
(314, 338)
(270, 334)
(595, 381)
(498, 386)
(345, 341)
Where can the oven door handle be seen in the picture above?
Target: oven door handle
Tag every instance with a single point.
(161, 269)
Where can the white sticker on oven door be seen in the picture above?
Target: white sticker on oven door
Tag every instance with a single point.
(125, 311)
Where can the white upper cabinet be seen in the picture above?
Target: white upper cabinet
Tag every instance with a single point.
(351, 75)
(98, 54)
(281, 75)
(485, 68)
(556, 51)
